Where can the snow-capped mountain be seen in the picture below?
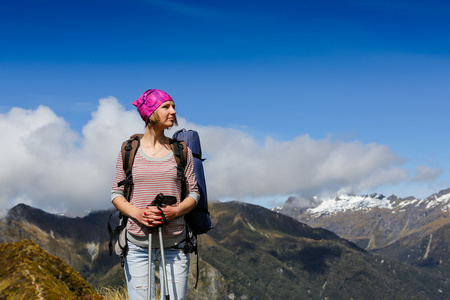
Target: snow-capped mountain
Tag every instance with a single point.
(346, 202)
(372, 221)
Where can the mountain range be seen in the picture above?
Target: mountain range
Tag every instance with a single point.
(411, 230)
(256, 253)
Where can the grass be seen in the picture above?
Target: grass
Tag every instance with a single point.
(114, 293)
(117, 293)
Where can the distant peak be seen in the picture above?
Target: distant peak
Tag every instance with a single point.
(23, 210)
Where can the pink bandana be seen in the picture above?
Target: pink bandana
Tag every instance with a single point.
(149, 101)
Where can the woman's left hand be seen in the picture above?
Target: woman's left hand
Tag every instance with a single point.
(170, 212)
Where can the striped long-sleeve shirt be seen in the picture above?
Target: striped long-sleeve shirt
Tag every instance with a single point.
(152, 176)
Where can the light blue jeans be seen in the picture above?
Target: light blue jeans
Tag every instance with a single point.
(136, 272)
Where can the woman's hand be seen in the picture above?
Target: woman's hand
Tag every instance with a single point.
(149, 216)
(171, 212)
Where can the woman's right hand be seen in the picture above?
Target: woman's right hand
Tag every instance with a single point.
(149, 216)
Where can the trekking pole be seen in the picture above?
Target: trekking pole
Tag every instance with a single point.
(163, 261)
(149, 284)
(161, 200)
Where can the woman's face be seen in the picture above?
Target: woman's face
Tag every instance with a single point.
(167, 114)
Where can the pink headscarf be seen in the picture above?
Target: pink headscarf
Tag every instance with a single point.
(149, 101)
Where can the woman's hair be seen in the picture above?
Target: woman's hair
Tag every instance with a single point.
(154, 119)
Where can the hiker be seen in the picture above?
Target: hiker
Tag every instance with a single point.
(154, 172)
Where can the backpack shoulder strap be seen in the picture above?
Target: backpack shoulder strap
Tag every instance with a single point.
(129, 149)
(180, 151)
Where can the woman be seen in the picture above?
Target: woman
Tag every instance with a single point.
(154, 172)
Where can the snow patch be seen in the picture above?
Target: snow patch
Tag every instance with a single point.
(405, 203)
(93, 249)
(443, 200)
(250, 225)
(345, 202)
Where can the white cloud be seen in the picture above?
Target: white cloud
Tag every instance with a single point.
(426, 173)
(240, 167)
(48, 165)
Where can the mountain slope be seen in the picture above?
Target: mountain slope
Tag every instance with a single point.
(410, 230)
(430, 252)
(268, 255)
(80, 242)
(29, 272)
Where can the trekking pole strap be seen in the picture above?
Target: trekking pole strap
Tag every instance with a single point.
(162, 214)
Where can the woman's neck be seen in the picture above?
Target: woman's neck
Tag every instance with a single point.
(155, 143)
(154, 136)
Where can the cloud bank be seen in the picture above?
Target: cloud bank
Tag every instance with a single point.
(48, 165)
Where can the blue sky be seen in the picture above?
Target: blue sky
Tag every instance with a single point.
(281, 74)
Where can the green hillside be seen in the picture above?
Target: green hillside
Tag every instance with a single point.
(29, 272)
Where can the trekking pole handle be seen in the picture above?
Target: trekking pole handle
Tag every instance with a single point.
(161, 200)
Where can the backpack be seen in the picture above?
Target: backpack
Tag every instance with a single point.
(197, 221)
